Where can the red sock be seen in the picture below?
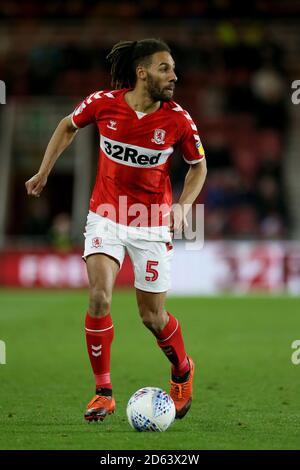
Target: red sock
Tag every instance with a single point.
(170, 340)
(99, 334)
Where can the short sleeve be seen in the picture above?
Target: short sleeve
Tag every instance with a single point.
(189, 142)
(85, 112)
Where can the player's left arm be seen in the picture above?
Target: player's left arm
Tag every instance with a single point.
(193, 183)
(193, 153)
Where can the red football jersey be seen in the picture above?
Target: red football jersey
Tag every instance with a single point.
(135, 155)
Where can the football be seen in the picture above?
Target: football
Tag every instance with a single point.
(150, 409)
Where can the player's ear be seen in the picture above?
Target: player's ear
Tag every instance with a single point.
(141, 72)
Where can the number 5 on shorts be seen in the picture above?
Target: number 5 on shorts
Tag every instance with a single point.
(151, 270)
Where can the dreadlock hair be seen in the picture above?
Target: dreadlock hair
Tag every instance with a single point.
(126, 55)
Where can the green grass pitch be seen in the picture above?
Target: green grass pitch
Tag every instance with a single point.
(246, 389)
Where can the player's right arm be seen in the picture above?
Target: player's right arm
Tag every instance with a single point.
(60, 140)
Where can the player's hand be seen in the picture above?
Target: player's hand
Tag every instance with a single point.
(177, 219)
(36, 185)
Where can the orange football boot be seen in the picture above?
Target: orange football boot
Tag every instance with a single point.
(181, 393)
(99, 407)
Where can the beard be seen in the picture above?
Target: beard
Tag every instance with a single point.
(156, 92)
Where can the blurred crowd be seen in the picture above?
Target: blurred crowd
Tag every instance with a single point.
(236, 88)
(147, 9)
(232, 79)
(243, 118)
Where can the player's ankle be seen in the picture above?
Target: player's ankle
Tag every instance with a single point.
(181, 374)
(104, 392)
(181, 378)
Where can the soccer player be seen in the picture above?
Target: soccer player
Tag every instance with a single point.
(139, 126)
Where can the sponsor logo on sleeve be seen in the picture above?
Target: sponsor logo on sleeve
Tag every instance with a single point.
(200, 148)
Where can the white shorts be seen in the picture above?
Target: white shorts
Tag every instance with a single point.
(150, 249)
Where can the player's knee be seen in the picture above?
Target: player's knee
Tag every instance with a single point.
(99, 302)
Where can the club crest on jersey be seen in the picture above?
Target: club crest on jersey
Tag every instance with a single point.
(96, 242)
(159, 136)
